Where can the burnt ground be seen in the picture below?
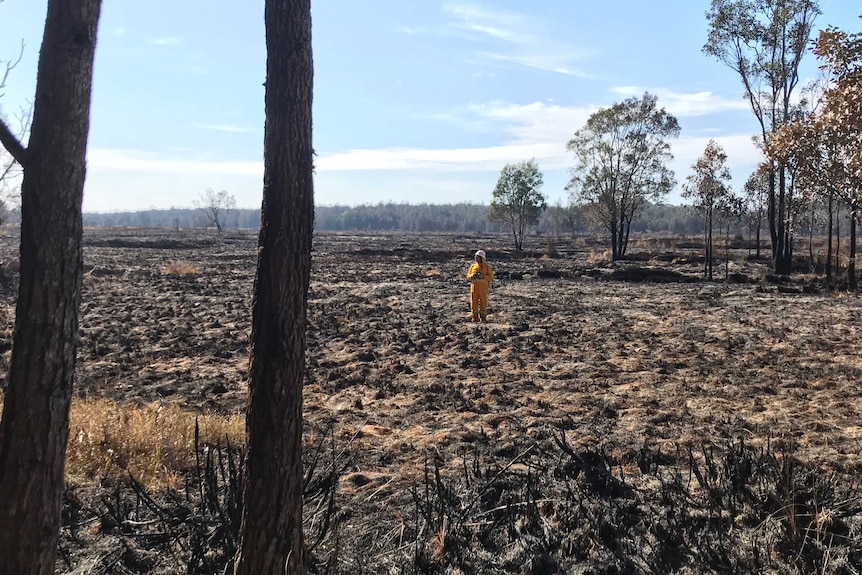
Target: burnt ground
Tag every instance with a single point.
(613, 360)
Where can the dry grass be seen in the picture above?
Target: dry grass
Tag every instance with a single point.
(154, 443)
(597, 258)
(180, 269)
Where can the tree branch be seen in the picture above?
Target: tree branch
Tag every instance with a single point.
(12, 144)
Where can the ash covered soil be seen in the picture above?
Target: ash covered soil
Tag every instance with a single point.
(621, 356)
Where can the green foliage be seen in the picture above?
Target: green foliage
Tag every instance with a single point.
(622, 155)
(518, 201)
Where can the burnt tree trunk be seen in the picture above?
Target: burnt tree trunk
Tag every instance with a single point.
(35, 424)
(838, 238)
(829, 240)
(271, 540)
(783, 250)
(851, 262)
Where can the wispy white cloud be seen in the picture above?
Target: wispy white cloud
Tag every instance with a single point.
(505, 37)
(230, 128)
(167, 40)
(686, 105)
(124, 160)
(537, 130)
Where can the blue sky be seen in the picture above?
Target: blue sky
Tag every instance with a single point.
(421, 101)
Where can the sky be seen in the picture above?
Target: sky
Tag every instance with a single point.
(414, 102)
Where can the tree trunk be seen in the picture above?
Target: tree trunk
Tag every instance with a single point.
(782, 250)
(709, 251)
(838, 238)
(811, 240)
(625, 242)
(614, 251)
(271, 540)
(829, 240)
(706, 246)
(35, 425)
(851, 263)
(519, 238)
(727, 251)
(771, 212)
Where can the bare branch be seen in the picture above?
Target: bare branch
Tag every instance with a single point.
(9, 66)
(12, 144)
(9, 140)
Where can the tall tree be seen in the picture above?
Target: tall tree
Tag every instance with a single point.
(823, 147)
(271, 540)
(764, 41)
(518, 201)
(756, 191)
(622, 155)
(708, 187)
(35, 424)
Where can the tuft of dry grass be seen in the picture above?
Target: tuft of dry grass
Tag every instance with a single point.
(154, 443)
(180, 269)
(596, 258)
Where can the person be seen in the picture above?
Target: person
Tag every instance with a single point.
(479, 275)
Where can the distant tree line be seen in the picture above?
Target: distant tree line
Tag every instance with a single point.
(557, 219)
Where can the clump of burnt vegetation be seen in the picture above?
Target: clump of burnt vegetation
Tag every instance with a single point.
(540, 508)
(126, 528)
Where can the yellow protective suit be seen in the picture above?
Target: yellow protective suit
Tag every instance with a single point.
(479, 275)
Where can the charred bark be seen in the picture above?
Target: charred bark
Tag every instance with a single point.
(271, 533)
(851, 262)
(829, 239)
(35, 424)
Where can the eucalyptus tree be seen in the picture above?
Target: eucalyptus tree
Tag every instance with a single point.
(622, 157)
(764, 41)
(708, 186)
(518, 201)
(823, 147)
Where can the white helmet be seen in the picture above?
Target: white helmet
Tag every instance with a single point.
(481, 254)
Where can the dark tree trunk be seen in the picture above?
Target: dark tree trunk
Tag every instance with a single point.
(625, 242)
(811, 240)
(771, 213)
(727, 251)
(851, 263)
(35, 424)
(783, 249)
(838, 238)
(709, 251)
(271, 539)
(829, 240)
(706, 246)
